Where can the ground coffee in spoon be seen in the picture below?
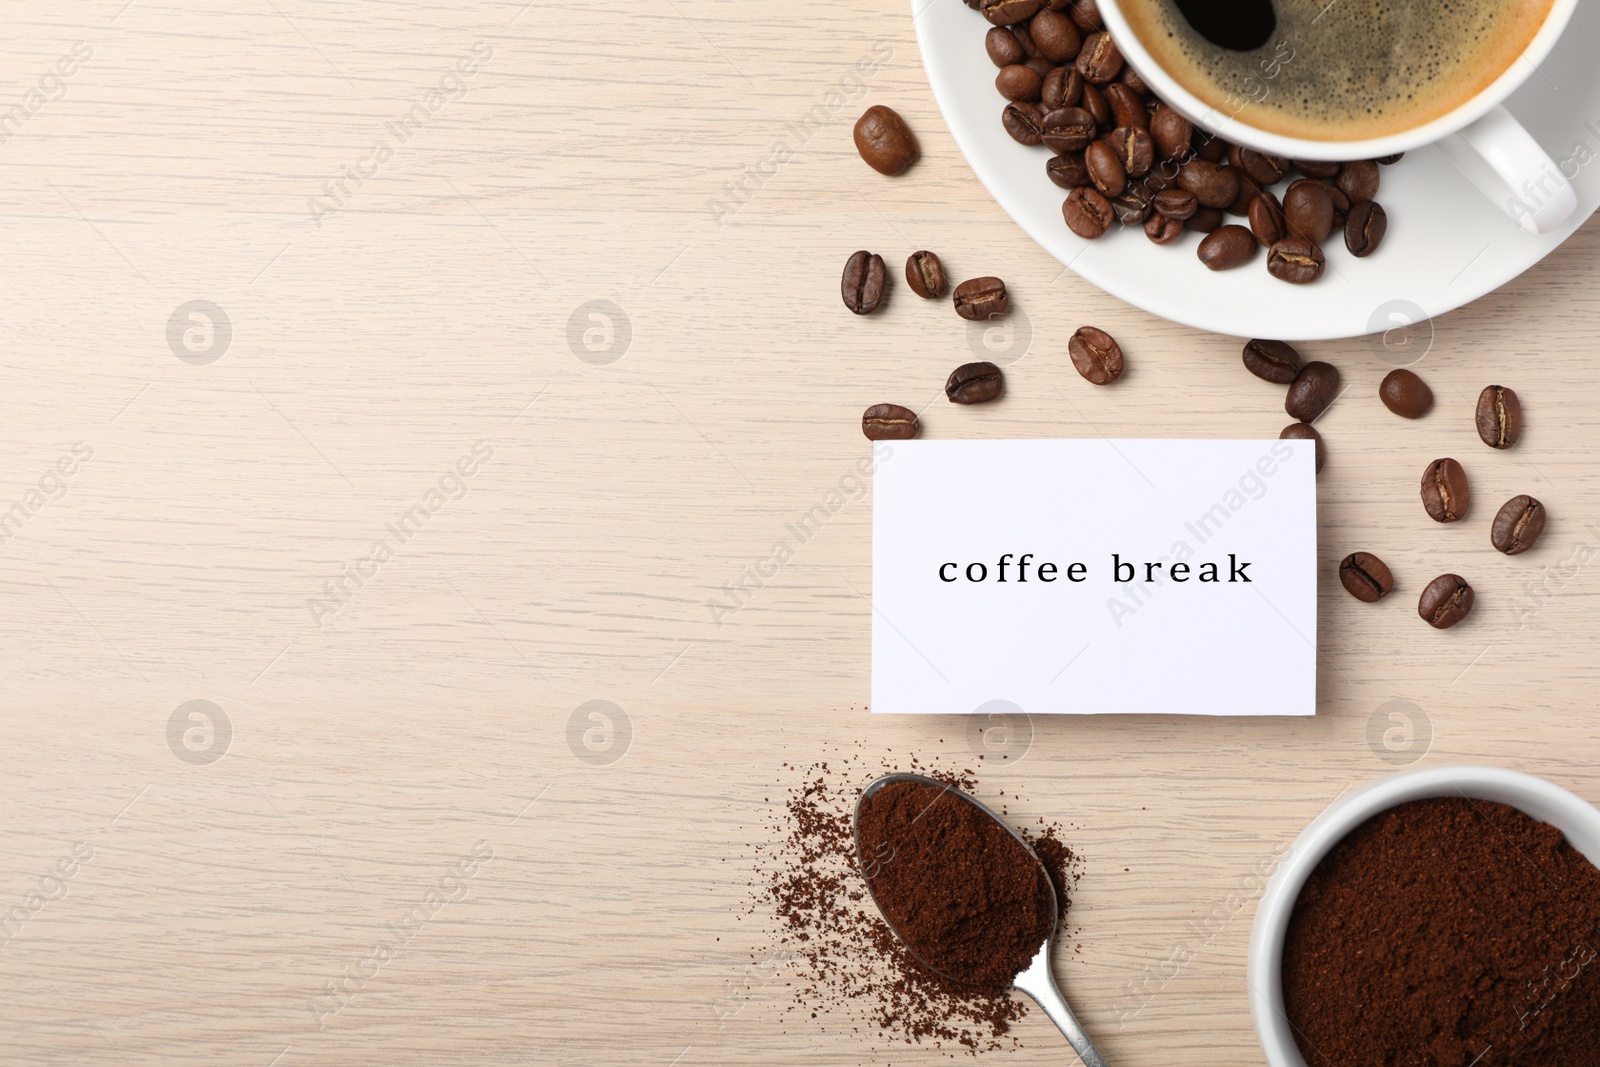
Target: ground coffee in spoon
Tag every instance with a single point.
(823, 945)
(1447, 931)
(965, 895)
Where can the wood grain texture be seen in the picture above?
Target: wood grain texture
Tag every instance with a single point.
(379, 750)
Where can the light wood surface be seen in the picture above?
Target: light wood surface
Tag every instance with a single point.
(426, 723)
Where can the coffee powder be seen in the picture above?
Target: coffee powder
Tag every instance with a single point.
(966, 896)
(1447, 931)
(826, 944)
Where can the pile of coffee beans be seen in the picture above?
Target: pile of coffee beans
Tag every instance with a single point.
(1127, 159)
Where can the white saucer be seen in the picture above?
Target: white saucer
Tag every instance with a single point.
(1447, 245)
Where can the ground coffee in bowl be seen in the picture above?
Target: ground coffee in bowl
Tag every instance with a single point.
(1447, 931)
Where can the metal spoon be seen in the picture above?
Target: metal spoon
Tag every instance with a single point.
(1037, 981)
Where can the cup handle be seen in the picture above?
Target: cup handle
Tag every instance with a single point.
(1507, 165)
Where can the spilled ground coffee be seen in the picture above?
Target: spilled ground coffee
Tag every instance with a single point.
(825, 944)
(1447, 931)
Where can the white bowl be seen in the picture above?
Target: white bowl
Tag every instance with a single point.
(1573, 816)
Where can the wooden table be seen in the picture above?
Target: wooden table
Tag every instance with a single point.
(408, 357)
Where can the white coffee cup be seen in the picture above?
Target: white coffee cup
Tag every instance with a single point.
(1480, 137)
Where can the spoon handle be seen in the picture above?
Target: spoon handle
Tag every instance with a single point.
(1040, 984)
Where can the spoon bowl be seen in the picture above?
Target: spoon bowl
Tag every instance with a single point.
(1037, 980)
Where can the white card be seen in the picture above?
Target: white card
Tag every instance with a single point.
(995, 578)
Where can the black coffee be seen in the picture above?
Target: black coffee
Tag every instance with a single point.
(1344, 71)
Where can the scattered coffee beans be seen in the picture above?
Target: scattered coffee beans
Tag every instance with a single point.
(1273, 361)
(1445, 601)
(1449, 930)
(1366, 577)
(1227, 248)
(889, 422)
(1301, 431)
(1517, 525)
(863, 283)
(1295, 260)
(1365, 227)
(1313, 389)
(979, 299)
(1499, 416)
(1405, 394)
(885, 141)
(1096, 355)
(1088, 212)
(1445, 494)
(925, 275)
(974, 383)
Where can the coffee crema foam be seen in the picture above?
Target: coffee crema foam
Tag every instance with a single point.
(1346, 70)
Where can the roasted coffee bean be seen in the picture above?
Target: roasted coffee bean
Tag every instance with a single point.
(1126, 107)
(1248, 191)
(1405, 394)
(1309, 210)
(1131, 79)
(1175, 203)
(1227, 248)
(1134, 148)
(1445, 493)
(1087, 212)
(1171, 132)
(1133, 206)
(1003, 47)
(1267, 220)
(1163, 230)
(1210, 148)
(863, 283)
(1018, 82)
(1299, 431)
(885, 141)
(1295, 260)
(925, 275)
(1366, 577)
(1085, 14)
(1212, 185)
(1068, 129)
(1517, 525)
(1387, 160)
(1499, 416)
(1094, 102)
(1040, 66)
(1024, 122)
(889, 422)
(1164, 175)
(1029, 49)
(1446, 601)
(974, 383)
(1100, 60)
(1313, 389)
(1067, 170)
(1056, 36)
(1008, 12)
(1341, 207)
(1272, 361)
(980, 299)
(1204, 220)
(1260, 168)
(1105, 169)
(1312, 168)
(1364, 229)
(1063, 87)
(1096, 354)
(1358, 180)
